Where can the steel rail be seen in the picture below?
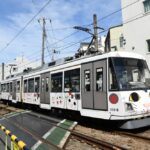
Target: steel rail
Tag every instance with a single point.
(135, 136)
(91, 140)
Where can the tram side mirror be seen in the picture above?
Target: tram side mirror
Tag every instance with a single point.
(147, 82)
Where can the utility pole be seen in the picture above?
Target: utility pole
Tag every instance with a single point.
(43, 39)
(95, 31)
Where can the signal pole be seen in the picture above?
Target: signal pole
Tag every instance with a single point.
(43, 39)
(95, 31)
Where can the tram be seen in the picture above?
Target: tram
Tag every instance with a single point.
(113, 86)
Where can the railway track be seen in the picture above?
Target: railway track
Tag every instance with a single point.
(80, 137)
(136, 136)
(90, 140)
(94, 142)
(4, 109)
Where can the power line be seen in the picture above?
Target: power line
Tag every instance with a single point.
(102, 18)
(114, 12)
(26, 25)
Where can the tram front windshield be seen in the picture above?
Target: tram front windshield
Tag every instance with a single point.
(128, 74)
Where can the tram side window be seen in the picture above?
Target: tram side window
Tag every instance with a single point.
(99, 79)
(37, 84)
(72, 80)
(42, 87)
(25, 86)
(18, 86)
(11, 87)
(7, 87)
(4, 87)
(56, 82)
(47, 84)
(87, 81)
(31, 85)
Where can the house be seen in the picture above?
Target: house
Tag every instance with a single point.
(136, 26)
(115, 39)
(17, 66)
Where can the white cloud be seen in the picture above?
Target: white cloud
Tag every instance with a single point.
(63, 13)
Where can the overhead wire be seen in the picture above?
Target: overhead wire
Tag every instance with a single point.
(26, 25)
(86, 25)
(115, 12)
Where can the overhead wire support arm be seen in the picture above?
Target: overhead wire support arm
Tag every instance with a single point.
(94, 35)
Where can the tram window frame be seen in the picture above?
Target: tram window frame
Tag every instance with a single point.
(71, 83)
(37, 84)
(113, 83)
(11, 87)
(18, 86)
(85, 85)
(31, 85)
(57, 82)
(101, 73)
(25, 85)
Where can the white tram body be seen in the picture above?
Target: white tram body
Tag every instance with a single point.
(110, 86)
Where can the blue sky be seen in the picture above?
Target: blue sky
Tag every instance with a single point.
(64, 14)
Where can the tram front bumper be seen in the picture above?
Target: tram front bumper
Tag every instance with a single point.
(135, 124)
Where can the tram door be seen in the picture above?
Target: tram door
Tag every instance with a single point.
(45, 93)
(14, 90)
(94, 89)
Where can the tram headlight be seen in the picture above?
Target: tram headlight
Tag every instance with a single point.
(128, 107)
(134, 97)
(113, 98)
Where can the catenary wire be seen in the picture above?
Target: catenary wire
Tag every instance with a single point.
(26, 25)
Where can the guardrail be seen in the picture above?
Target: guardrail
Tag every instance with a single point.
(15, 143)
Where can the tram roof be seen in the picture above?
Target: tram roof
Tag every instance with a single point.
(61, 63)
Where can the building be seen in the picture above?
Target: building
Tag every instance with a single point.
(17, 66)
(114, 39)
(85, 45)
(136, 26)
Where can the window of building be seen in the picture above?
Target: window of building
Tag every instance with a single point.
(121, 39)
(146, 6)
(72, 80)
(37, 85)
(15, 69)
(148, 45)
(87, 81)
(56, 82)
(18, 86)
(25, 86)
(99, 79)
(31, 85)
(114, 48)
